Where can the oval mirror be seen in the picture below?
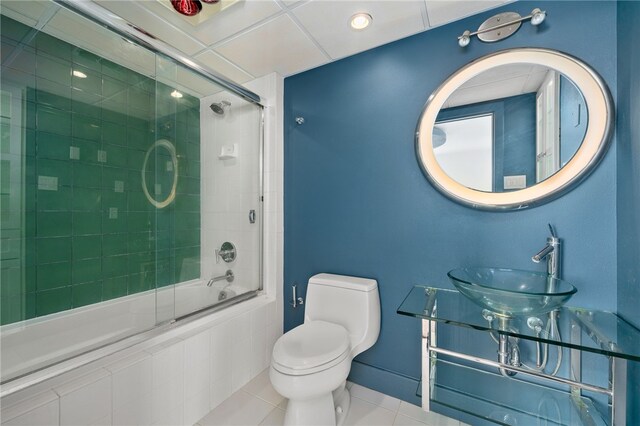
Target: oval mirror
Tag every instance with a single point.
(514, 129)
(160, 173)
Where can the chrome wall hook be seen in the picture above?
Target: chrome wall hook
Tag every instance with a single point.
(299, 120)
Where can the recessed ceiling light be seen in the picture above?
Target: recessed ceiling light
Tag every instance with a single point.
(360, 21)
(79, 74)
(176, 94)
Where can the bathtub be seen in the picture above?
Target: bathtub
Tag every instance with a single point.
(39, 342)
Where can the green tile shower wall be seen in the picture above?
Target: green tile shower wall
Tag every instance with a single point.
(96, 237)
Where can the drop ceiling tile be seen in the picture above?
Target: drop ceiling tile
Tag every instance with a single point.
(487, 92)
(222, 66)
(497, 74)
(534, 81)
(328, 23)
(139, 15)
(220, 26)
(184, 79)
(27, 12)
(198, 86)
(443, 11)
(278, 45)
(76, 30)
(290, 3)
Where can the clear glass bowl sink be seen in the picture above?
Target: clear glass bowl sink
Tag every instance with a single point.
(510, 292)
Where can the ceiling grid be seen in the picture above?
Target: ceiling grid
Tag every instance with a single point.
(251, 38)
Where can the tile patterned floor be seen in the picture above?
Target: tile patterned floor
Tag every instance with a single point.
(258, 403)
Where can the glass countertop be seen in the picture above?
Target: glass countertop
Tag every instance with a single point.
(606, 333)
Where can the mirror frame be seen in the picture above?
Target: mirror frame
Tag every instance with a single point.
(597, 137)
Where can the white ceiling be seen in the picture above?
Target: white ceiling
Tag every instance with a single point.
(500, 82)
(251, 38)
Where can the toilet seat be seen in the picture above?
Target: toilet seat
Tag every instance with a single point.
(311, 347)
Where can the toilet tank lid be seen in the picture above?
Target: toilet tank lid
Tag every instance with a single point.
(344, 281)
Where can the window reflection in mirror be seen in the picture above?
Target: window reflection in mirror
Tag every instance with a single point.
(509, 128)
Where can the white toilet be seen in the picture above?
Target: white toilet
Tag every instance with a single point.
(310, 363)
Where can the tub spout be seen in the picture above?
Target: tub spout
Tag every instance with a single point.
(228, 277)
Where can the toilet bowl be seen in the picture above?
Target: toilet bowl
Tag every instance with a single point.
(311, 362)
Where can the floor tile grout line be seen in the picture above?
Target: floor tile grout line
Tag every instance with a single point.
(373, 403)
(396, 412)
(260, 398)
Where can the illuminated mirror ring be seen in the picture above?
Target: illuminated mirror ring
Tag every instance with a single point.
(597, 136)
(161, 143)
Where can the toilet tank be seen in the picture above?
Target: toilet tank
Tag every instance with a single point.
(352, 302)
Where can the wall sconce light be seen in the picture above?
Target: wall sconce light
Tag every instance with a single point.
(501, 26)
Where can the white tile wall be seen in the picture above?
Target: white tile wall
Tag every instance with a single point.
(197, 375)
(43, 410)
(167, 394)
(132, 386)
(87, 400)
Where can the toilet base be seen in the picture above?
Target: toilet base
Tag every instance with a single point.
(342, 403)
(310, 412)
(326, 410)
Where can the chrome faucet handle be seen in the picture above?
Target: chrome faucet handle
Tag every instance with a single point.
(553, 232)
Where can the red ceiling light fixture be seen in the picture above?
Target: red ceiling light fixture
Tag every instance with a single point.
(187, 7)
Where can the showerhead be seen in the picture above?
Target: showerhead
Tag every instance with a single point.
(219, 107)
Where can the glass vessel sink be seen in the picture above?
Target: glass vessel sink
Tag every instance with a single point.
(510, 292)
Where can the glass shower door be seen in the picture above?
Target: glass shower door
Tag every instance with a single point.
(121, 172)
(209, 230)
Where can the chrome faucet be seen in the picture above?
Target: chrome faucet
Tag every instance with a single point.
(508, 349)
(553, 254)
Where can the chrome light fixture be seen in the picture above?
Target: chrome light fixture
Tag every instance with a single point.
(464, 39)
(501, 26)
(537, 16)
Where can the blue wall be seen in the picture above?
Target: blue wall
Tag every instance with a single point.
(514, 139)
(629, 179)
(357, 203)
